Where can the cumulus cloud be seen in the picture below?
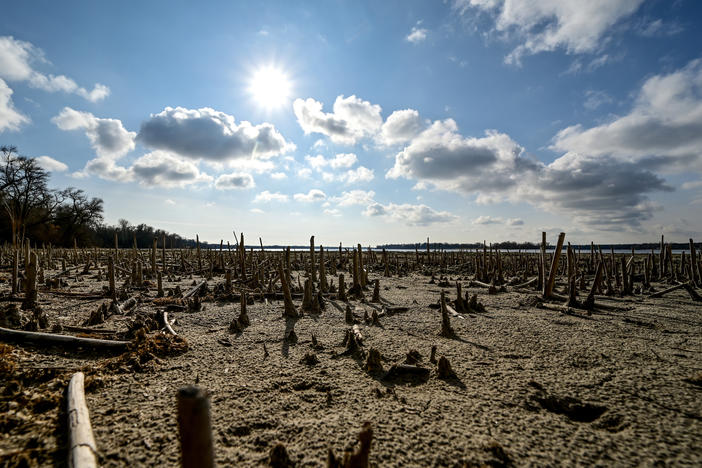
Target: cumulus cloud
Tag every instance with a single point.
(314, 195)
(10, 118)
(596, 189)
(279, 175)
(662, 130)
(163, 169)
(575, 26)
(441, 156)
(17, 60)
(515, 222)
(235, 180)
(417, 35)
(155, 169)
(412, 215)
(360, 174)
(51, 164)
(211, 135)
(351, 120)
(486, 219)
(108, 137)
(599, 191)
(105, 168)
(354, 197)
(266, 196)
(400, 127)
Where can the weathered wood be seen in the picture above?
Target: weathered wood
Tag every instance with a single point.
(195, 428)
(194, 290)
(82, 452)
(19, 336)
(666, 291)
(551, 281)
(167, 324)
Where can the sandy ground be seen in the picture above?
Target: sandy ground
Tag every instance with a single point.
(535, 385)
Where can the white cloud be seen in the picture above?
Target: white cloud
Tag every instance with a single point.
(16, 64)
(168, 201)
(266, 196)
(279, 175)
(446, 159)
(351, 120)
(235, 180)
(316, 162)
(257, 211)
(155, 169)
(211, 135)
(412, 215)
(10, 118)
(360, 174)
(314, 195)
(332, 212)
(108, 137)
(51, 164)
(354, 197)
(596, 189)
(486, 219)
(575, 26)
(400, 127)
(663, 129)
(417, 35)
(515, 222)
(304, 173)
(163, 169)
(595, 99)
(343, 160)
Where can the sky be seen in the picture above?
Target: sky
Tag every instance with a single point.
(371, 122)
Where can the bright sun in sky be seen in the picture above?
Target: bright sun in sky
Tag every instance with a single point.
(270, 87)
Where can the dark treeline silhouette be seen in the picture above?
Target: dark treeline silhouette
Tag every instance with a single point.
(30, 210)
(506, 245)
(144, 235)
(512, 245)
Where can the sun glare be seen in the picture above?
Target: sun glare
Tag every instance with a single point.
(270, 87)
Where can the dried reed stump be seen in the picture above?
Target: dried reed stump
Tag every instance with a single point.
(194, 428)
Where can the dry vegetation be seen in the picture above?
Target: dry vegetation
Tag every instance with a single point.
(352, 357)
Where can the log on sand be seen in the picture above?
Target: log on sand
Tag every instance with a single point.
(19, 336)
(82, 451)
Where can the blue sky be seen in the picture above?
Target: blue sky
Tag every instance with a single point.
(366, 122)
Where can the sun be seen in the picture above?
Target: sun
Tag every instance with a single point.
(269, 87)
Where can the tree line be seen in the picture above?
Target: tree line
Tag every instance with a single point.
(33, 211)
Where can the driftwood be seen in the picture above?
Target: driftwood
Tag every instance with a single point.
(526, 284)
(453, 312)
(76, 295)
(168, 325)
(194, 290)
(18, 336)
(82, 451)
(687, 286)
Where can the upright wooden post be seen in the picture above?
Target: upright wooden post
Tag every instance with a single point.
(548, 289)
(111, 277)
(15, 270)
(195, 429)
(30, 290)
